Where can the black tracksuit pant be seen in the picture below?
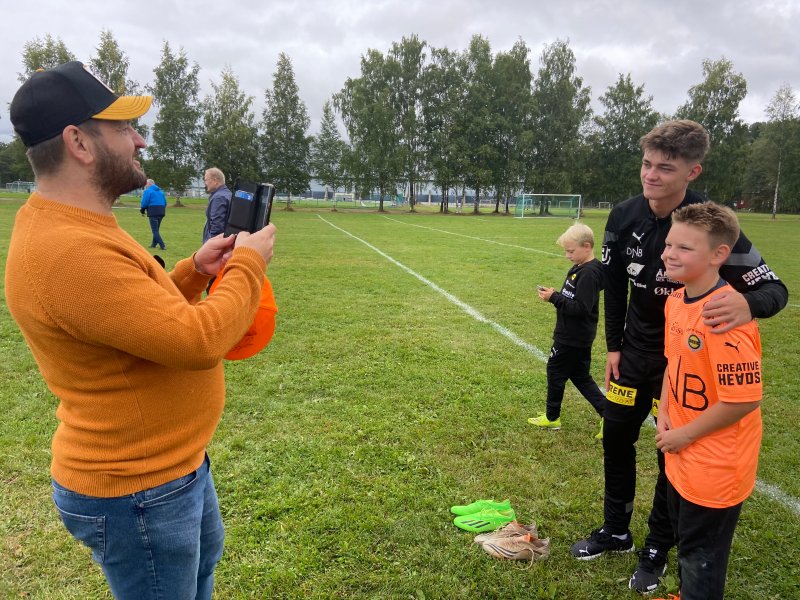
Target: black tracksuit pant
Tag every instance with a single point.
(568, 363)
(629, 401)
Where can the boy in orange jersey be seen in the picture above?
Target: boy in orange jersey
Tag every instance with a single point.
(710, 426)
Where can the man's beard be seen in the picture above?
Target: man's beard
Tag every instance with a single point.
(115, 175)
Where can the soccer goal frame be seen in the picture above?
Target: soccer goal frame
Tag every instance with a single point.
(534, 205)
(604, 205)
(343, 197)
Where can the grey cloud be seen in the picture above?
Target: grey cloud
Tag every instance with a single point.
(662, 45)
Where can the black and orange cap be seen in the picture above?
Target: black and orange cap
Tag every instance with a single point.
(68, 94)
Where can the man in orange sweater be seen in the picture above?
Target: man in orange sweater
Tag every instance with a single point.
(132, 353)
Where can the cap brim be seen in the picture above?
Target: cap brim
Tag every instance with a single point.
(126, 108)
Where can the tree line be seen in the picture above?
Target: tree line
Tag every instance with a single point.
(472, 123)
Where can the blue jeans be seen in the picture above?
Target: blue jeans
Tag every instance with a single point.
(155, 224)
(161, 543)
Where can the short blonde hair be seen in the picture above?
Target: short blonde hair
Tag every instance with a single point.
(579, 234)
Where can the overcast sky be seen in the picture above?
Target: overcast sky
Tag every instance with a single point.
(662, 45)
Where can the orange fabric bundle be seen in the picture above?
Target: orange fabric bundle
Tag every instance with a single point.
(262, 328)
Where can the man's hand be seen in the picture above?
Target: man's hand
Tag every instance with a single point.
(726, 311)
(213, 255)
(612, 366)
(262, 241)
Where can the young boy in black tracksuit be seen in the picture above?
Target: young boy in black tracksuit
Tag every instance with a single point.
(577, 312)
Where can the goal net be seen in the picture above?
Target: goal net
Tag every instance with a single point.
(343, 197)
(548, 205)
(604, 205)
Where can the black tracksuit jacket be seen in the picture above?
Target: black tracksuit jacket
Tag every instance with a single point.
(632, 246)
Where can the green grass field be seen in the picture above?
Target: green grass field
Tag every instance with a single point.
(394, 388)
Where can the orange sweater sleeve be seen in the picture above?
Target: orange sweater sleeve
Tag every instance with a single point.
(132, 354)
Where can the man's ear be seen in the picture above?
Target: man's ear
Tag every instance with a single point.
(78, 144)
(695, 172)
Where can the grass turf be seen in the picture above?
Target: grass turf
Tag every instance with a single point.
(381, 402)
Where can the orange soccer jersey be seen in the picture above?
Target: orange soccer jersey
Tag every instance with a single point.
(717, 470)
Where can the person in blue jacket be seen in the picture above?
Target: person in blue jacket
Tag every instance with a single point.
(154, 202)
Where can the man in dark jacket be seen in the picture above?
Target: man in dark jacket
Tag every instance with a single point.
(218, 201)
(154, 203)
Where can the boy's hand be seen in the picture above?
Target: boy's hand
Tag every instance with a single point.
(672, 440)
(726, 311)
(663, 423)
(545, 293)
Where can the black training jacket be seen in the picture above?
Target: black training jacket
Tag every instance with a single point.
(578, 305)
(632, 247)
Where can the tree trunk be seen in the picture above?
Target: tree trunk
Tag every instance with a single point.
(477, 200)
(777, 183)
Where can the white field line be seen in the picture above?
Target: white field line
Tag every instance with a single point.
(773, 492)
(476, 238)
(500, 243)
(459, 303)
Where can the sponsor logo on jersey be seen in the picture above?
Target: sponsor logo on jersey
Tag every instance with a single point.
(619, 394)
(741, 373)
(759, 273)
(734, 346)
(662, 276)
(634, 269)
(606, 258)
(694, 342)
(638, 237)
(636, 252)
(662, 291)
